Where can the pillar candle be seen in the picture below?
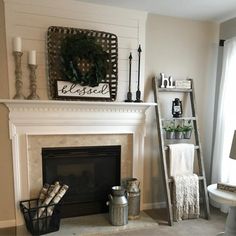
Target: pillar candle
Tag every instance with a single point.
(32, 57)
(17, 45)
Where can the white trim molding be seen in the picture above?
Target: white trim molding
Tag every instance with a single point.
(30, 117)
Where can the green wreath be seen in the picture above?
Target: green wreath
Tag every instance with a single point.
(79, 49)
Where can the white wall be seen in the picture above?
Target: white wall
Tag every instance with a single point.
(30, 19)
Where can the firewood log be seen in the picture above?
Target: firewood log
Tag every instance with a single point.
(43, 193)
(50, 195)
(57, 198)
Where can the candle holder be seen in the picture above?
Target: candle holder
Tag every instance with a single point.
(129, 94)
(33, 85)
(18, 74)
(138, 92)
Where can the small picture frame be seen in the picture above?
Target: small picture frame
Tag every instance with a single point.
(183, 84)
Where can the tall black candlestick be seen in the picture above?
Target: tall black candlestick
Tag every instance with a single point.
(129, 94)
(138, 92)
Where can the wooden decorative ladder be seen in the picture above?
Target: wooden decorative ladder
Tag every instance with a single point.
(164, 148)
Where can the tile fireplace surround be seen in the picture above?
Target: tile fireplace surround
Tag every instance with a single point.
(29, 119)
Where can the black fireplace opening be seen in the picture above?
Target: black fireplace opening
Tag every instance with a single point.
(89, 171)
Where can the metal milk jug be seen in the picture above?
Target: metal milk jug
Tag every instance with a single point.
(118, 206)
(133, 193)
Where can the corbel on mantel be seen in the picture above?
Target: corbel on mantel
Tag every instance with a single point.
(49, 117)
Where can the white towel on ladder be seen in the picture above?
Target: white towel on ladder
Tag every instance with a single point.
(181, 158)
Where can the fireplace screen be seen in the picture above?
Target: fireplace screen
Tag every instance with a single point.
(90, 172)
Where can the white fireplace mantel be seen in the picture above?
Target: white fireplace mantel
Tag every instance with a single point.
(37, 117)
(99, 115)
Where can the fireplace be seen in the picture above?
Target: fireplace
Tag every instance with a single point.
(89, 171)
(51, 122)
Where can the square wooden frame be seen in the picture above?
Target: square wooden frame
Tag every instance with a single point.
(109, 43)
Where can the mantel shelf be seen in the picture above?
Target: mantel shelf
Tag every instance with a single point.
(75, 105)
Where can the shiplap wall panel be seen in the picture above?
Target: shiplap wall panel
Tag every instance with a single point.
(30, 19)
(74, 16)
(40, 44)
(87, 12)
(41, 23)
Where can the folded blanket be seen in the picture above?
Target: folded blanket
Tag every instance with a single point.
(186, 197)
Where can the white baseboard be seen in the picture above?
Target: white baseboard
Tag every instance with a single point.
(147, 206)
(7, 223)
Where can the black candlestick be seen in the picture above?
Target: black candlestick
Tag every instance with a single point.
(138, 92)
(129, 94)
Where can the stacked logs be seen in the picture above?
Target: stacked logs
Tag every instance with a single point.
(49, 196)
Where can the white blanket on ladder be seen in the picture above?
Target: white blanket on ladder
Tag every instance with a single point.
(186, 185)
(186, 197)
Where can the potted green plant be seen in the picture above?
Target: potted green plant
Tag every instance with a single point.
(170, 131)
(187, 131)
(179, 132)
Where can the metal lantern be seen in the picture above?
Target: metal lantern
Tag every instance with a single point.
(177, 110)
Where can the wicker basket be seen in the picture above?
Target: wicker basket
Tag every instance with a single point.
(40, 225)
(108, 42)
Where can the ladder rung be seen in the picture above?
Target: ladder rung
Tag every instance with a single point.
(167, 148)
(174, 90)
(181, 118)
(199, 178)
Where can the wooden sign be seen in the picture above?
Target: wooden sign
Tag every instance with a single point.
(183, 84)
(68, 89)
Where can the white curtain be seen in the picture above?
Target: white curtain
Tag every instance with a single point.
(224, 168)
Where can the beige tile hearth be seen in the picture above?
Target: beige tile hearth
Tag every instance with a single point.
(98, 225)
(83, 226)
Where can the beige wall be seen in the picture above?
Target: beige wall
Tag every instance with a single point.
(178, 47)
(6, 178)
(181, 48)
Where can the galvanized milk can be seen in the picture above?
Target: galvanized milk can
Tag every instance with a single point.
(118, 206)
(133, 194)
